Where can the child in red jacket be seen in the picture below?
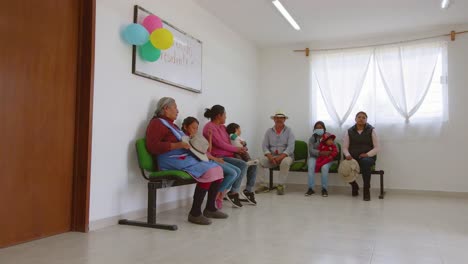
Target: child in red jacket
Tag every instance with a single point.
(327, 144)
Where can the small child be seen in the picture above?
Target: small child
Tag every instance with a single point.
(190, 128)
(327, 144)
(234, 132)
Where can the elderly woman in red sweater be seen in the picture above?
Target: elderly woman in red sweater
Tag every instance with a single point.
(164, 139)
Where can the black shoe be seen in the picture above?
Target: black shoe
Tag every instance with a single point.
(309, 192)
(234, 199)
(366, 196)
(249, 196)
(355, 188)
(324, 193)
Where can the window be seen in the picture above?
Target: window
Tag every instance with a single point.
(374, 99)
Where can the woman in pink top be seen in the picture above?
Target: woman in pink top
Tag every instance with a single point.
(215, 132)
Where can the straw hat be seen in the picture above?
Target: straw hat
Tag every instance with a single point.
(279, 113)
(198, 146)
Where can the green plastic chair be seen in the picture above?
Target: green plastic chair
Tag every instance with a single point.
(336, 164)
(150, 170)
(299, 163)
(300, 156)
(300, 160)
(157, 179)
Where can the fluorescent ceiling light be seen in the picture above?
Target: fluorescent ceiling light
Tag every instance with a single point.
(286, 15)
(445, 4)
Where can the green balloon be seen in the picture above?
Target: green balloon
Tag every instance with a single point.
(149, 53)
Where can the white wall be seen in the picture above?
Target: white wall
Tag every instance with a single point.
(123, 102)
(410, 163)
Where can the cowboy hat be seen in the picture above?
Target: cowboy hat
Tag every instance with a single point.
(279, 113)
(198, 146)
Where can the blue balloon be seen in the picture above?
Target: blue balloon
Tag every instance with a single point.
(135, 34)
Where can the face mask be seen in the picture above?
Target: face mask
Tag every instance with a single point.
(319, 131)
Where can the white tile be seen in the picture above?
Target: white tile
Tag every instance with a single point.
(405, 259)
(454, 254)
(403, 228)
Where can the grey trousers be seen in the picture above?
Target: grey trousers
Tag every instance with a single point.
(284, 170)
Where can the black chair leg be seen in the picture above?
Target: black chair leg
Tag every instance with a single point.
(382, 192)
(271, 187)
(151, 218)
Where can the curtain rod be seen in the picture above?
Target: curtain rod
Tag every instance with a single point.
(452, 35)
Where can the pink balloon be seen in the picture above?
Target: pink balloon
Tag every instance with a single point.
(152, 23)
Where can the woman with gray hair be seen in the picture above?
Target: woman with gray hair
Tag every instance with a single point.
(163, 103)
(164, 139)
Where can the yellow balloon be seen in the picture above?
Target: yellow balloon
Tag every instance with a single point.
(162, 38)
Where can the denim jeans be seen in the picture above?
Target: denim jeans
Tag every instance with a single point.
(311, 173)
(231, 173)
(365, 164)
(250, 171)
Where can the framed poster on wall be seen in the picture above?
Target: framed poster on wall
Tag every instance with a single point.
(180, 65)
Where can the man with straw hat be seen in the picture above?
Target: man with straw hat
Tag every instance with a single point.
(278, 150)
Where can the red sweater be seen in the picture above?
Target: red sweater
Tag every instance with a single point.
(159, 137)
(322, 160)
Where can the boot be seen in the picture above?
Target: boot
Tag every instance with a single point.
(210, 209)
(198, 197)
(355, 188)
(366, 195)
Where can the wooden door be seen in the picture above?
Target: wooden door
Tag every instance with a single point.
(38, 79)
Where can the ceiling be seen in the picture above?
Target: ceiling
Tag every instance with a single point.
(330, 20)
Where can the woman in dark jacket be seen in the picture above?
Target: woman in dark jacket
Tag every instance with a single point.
(360, 142)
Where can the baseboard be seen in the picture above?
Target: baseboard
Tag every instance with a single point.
(388, 191)
(429, 192)
(137, 214)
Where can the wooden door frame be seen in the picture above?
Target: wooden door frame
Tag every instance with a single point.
(83, 117)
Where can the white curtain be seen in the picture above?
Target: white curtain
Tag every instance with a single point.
(340, 76)
(407, 71)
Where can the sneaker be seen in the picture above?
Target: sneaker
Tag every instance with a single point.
(234, 199)
(253, 162)
(250, 197)
(324, 193)
(199, 220)
(216, 214)
(309, 192)
(219, 203)
(280, 189)
(262, 189)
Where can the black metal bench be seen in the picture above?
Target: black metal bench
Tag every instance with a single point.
(156, 180)
(300, 165)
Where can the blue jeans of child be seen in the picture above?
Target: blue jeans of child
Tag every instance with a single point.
(311, 173)
(231, 173)
(250, 171)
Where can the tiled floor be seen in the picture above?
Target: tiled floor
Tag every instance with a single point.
(403, 228)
